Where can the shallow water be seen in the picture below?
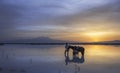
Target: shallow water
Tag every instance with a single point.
(51, 59)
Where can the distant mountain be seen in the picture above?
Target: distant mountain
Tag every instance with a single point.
(37, 40)
(114, 41)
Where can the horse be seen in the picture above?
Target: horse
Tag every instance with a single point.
(76, 49)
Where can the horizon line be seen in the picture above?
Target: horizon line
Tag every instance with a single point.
(72, 43)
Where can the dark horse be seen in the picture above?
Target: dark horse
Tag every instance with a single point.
(76, 49)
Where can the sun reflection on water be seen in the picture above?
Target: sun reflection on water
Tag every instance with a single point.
(102, 54)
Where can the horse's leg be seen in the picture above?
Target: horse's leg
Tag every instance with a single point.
(74, 52)
(68, 51)
(82, 52)
(66, 57)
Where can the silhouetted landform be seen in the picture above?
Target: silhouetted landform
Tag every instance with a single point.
(37, 40)
(34, 41)
(63, 43)
(49, 41)
(114, 41)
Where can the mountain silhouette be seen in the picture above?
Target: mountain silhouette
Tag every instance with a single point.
(37, 40)
(114, 41)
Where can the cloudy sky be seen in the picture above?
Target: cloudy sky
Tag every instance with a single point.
(76, 20)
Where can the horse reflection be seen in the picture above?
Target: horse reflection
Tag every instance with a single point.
(75, 58)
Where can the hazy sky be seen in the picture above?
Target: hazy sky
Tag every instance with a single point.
(78, 20)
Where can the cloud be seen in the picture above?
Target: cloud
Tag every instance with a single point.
(8, 15)
(28, 18)
(107, 15)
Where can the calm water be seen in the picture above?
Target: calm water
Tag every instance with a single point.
(51, 59)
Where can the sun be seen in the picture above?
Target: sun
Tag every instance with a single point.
(95, 36)
(95, 33)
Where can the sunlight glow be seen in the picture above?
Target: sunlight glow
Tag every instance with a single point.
(96, 36)
(96, 33)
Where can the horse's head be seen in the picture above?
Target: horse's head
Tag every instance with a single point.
(66, 45)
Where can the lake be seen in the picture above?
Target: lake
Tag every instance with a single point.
(51, 59)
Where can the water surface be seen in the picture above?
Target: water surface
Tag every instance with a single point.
(51, 59)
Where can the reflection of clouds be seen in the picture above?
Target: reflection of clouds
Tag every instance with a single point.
(49, 62)
(41, 58)
(33, 60)
(30, 50)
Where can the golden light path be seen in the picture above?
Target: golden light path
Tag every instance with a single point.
(101, 54)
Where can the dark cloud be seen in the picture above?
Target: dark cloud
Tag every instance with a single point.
(7, 15)
(109, 12)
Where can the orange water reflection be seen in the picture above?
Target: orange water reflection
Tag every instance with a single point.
(102, 50)
(102, 54)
